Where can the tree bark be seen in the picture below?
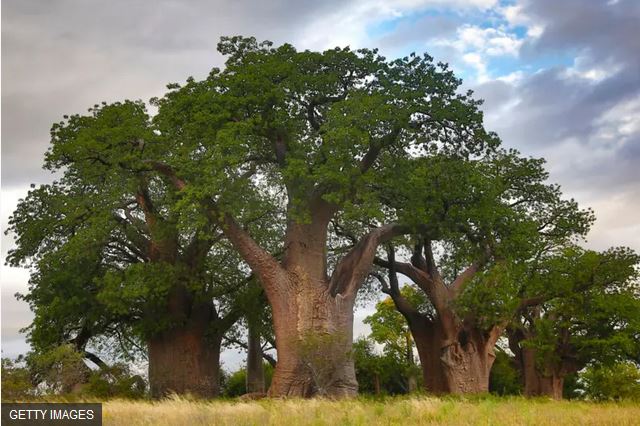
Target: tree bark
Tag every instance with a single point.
(467, 360)
(455, 359)
(255, 369)
(185, 358)
(536, 382)
(314, 337)
(183, 361)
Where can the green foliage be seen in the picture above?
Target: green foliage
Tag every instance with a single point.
(115, 381)
(235, 384)
(590, 316)
(614, 382)
(375, 373)
(299, 119)
(571, 387)
(16, 380)
(60, 370)
(492, 296)
(504, 378)
(389, 327)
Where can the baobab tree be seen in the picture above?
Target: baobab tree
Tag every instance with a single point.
(587, 316)
(489, 217)
(305, 133)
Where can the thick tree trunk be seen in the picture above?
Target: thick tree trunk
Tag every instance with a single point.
(314, 337)
(182, 361)
(456, 356)
(427, 335)
(467, 362)
(312, 313)
(255, 369)
(537, 383)
(458, 365)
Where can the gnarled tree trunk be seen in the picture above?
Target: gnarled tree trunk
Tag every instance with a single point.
(185, 359)
(467, 360)
(456, 356)
(312, 313)
(456, 360)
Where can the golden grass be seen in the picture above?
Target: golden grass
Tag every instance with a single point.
(416, 410)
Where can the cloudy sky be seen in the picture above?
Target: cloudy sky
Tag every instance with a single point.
(560, 79)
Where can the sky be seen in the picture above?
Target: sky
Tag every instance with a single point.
(560, 80)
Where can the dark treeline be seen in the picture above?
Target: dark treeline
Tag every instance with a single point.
(258, 204)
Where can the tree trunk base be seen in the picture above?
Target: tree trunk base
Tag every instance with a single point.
(182, 362)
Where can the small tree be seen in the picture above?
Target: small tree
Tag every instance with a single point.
(58, 371)
(389, 328)
(321, 353)
(505, 377)
(115, 381)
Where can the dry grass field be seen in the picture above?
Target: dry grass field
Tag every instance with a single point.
(389, 411)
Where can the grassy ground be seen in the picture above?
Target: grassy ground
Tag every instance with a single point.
(390, 411)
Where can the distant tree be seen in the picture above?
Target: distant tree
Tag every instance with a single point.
(379, 374)
(60, 370)
(590, 316)
(504, 378)
(115, 381)
(235, 384)
(390, 329)
(612, 382)
(486, 218)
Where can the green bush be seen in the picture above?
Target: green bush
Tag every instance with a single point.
(504, 378)
(235, 384)
(115, 381)
(616, 382)
(16, 380)
(60, 370)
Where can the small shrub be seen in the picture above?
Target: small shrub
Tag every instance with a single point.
(16, 380)
(115, 381)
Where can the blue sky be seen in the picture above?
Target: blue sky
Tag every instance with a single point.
(560, 79)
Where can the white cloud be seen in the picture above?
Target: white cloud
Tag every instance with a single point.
(348, 26)
(476, 61)
(535, 31)
(475, 46)
(584, 68)
(512, 78)
(487, 41)
(620, 122)
(516, 16)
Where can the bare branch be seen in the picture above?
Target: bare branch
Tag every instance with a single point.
(354, 267)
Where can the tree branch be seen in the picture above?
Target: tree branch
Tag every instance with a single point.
(167, 171)
(355, 265)
(269, 271)
(270, 359)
